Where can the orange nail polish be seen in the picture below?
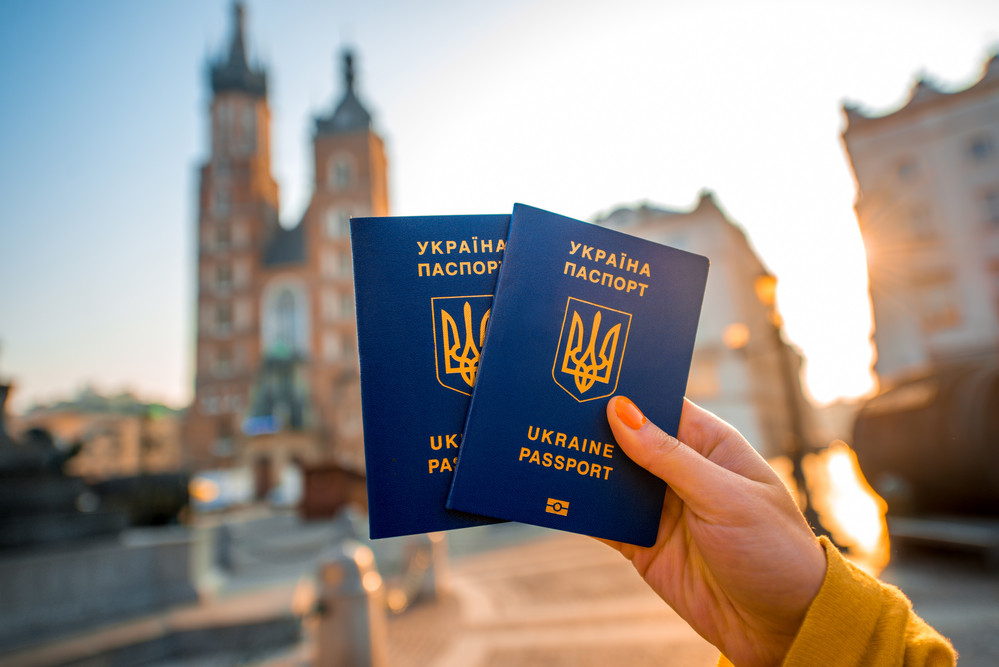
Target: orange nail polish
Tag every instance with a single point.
(629, 413)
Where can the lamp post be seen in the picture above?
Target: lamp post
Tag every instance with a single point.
(795, 440)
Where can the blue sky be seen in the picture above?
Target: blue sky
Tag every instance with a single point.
(573, 106)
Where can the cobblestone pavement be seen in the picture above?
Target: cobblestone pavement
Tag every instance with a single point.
(559, 600)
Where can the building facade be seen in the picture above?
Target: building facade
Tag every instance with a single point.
(276, 378)
(742, 370)
(928, 207)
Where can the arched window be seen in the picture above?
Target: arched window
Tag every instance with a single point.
(285, 319)
(285, 316)
(341, 172)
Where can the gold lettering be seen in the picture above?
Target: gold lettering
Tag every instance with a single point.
(633, 265)
(421, 267)
(423, 246)
(574, 247)
(464, 247)
(546, 436)
(560, 439)
(645, 271)
(537, 432)
(586, 252)
(435, 248)
(569, 271)
(450, 245)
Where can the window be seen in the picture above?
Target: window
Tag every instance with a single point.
(220, 202)
(337, 223)
(347, 306)
(331, 347)
(223, 319)
(981, 148)
(346, 264)
(222, 238)
(907, 169)
(328, 265)
(242, 315)
(331, 307)
(247, 131)
(223, 362)
(341, 172)
(287, 334)
(223, 278)
(990, 205)
(920, 222)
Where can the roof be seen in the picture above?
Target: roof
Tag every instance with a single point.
(286, 246)
(350, 115)
(924, 92)
(235, 73)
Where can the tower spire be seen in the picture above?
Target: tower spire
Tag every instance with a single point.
(349, 114)
(235, 73)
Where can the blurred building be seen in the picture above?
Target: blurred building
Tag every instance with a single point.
(276, 368)
(120, 435)
(928, 206)
(927, 203)
(742, 369)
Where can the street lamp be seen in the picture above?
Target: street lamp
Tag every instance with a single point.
(795, 439)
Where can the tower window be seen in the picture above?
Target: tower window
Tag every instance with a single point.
(223, 278)
(341, 173)
(222, 238)
(337, 223)
(223, 319)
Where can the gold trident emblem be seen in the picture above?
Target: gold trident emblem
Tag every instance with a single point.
(587, 366)
(468, 362)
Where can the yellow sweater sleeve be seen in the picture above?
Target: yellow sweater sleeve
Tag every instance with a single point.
(856, 620)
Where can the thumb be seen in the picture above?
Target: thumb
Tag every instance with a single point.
(700, 483)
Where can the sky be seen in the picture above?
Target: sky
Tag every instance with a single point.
(577, 107)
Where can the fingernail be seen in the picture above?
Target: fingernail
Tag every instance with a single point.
(629, 413)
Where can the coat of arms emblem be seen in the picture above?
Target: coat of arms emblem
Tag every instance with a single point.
(590, 349)
(459, 333)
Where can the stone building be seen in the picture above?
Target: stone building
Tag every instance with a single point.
(927, 203)
(276, 365)
(742, 369)
(928, 206)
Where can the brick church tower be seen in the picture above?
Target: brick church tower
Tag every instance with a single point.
(276, 364)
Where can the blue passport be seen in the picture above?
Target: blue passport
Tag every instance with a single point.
(581, 313)
(423, 289)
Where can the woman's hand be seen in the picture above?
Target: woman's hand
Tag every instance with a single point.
(734, 556)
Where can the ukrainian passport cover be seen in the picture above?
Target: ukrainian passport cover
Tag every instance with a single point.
(581, 313)
(423, 291)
